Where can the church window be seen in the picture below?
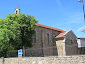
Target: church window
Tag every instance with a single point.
(48, 38)
(41, 36)
(71, 41)
(34, 39)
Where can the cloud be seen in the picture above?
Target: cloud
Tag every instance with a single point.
(81, 28)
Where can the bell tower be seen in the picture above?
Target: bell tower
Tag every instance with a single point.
(17, 10)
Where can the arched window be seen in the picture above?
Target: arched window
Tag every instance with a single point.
(34, 37)
(16, 12)
(42, 36)
(48, 38)
(71, 41)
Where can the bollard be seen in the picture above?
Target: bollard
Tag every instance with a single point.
(3, 60)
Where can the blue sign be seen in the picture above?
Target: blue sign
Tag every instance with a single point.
(19, 52)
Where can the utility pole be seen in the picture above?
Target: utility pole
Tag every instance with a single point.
(81, 1)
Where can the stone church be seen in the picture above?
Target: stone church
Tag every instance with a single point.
(49, 41)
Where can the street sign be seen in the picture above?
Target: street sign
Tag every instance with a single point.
(20, 52)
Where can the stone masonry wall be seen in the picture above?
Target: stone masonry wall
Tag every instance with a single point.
(59, 45)
(71, 46)
(41, 46)
(67, 45)
(71, 49)
(46, 60)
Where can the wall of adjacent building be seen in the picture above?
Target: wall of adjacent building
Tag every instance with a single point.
(71, 49)
(60, 46)
(81, 45)
(71, 45)
(81, 50)
(67, 45)
(81, 42)
(46, 60)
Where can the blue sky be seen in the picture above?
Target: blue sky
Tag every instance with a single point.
(62, 14)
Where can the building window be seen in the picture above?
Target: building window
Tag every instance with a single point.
(34, 39)
(42, 36)
(71, 41)
(48, 38)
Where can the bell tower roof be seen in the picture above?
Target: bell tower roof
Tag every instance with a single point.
(17, 7)
(17, 10)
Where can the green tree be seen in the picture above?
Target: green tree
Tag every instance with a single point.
(16, 31)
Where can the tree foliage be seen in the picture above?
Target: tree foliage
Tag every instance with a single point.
(16, 31)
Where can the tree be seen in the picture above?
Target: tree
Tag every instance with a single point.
(16, 31)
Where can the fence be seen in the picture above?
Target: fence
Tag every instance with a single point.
(35, 52)
(49, 51)
(13, 53)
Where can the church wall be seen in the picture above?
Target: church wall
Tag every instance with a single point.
(42, 46)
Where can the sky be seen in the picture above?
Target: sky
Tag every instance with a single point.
(62, 14)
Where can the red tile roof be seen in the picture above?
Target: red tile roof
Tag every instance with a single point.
(83, 31)
(60, 35)
(49, 27)
(52, 28)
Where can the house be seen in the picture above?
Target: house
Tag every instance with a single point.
(67, 44)
(49, 41)
(81, 45)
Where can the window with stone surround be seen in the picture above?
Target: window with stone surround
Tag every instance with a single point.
(42, 36)
(34, 37)
(71, 41)
(48, 38)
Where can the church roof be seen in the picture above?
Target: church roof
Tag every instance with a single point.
(52, 28)
(61, 30)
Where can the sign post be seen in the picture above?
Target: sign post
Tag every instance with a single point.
(20, 56)
(20, 53)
